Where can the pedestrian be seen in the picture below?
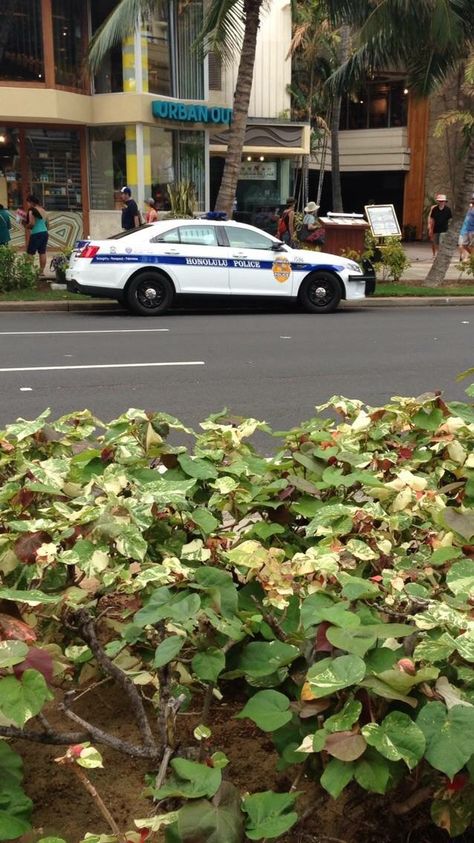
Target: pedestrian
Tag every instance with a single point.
(466, 235)
(286, 225)
(130, 212)
(439, 218)
(311, 232)
(37, 224)
(5, 226)
(151, 214)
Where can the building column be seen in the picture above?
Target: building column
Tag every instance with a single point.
(414, 196)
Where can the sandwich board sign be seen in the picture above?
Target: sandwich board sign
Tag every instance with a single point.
(383, 220)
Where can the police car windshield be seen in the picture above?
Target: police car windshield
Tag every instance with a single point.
(130, 231)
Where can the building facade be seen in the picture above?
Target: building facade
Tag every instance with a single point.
(147, 119)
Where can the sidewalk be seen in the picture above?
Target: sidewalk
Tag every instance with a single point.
(421, 259)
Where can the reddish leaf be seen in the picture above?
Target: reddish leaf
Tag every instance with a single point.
(458, 783)
(6, 446)
(12, 629)
(26, 546)
(169, 460)
(107, 454)
(23, 498)
(321, 644)
(468, 550)
(405, 453)
(39, 660)
(377, 578)
(346, 746)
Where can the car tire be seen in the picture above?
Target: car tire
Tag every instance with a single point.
(149, 294)
(320, 293)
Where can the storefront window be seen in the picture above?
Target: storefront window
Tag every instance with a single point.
(188, 61)
(10, 173)
(108, 166)
(157, 44)
(68, 35)
(21, 41)
(190, 161)
(54, 161)
(162, 166)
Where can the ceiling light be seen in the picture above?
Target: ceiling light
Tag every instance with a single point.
(262, 158)
(249, 157)
(405, 90)
(2, 139)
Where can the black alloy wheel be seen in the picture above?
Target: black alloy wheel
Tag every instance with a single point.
(149, 294)
(321, 293)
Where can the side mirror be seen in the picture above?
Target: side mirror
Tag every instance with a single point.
(278, 246)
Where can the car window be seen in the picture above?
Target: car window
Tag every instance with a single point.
(171, 236)
(198, 235)
(245, 238)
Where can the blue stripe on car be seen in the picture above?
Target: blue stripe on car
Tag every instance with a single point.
(218, 263)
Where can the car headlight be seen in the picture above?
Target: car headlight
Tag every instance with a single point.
(354, 267)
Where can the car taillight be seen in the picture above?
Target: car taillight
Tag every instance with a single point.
(88, 252)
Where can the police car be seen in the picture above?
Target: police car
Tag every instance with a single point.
(146, 268)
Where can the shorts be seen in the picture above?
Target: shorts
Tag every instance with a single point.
(37, 243)
(467, 239)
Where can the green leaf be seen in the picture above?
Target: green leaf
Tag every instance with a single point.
(130, 543)
(269, 710)
(428, 419)
(12, 827)
(455, 812)
(336, 776)
(197, 468)
(331, 675)
(205, 520)
(397, 738)
(179, 607)
(207, 665)
(15, 806)
(449, 736)
(356, 641)
(372, 772)
(191, 781)
(345, 718)
(356, 588)
(261, 659)
(31, 598)
(444, 554)
(219, 821)
(460, 577)
(435, 649)
(382, 689)
(21, 699)
(167, 650)
(465, 646)
(12, 652)
(312, 606)
(269, 814)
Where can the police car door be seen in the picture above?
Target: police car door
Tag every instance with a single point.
(195, 259)
(254, 267)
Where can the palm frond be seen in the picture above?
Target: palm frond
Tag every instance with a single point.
(465, 119)
(121, 23)
(223, 29)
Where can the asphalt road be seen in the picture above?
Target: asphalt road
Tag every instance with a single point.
(274, 364)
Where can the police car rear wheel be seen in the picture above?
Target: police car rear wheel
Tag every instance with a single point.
(149, 294)
(321, 293)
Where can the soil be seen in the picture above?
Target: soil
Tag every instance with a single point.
(64, 809)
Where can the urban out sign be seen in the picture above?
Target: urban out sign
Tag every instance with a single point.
(185, 113)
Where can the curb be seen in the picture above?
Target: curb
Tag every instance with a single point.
(109, 305)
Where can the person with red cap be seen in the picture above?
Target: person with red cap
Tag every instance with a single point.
(439, 218)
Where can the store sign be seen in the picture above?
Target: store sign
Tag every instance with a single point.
(186, 113)
(258, 171)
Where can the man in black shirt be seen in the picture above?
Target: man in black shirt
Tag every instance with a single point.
(130, 212)
(438, 221)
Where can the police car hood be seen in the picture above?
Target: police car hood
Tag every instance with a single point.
(324, 259)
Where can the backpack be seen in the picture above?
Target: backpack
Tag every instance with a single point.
(283, 224)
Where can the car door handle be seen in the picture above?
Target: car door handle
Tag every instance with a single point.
(239, 254)
(172, 252)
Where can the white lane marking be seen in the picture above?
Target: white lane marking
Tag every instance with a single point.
(108, 331)
(26, 389)
(104, 366)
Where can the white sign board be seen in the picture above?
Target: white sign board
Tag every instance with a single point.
(383, 220)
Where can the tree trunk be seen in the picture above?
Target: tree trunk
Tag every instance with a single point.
(243, 88)
(440, 266)
(343, 55)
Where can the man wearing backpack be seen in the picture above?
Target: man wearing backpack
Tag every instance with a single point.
(286, 224)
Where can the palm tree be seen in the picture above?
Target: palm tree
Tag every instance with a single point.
(230, 28)
(428, 38)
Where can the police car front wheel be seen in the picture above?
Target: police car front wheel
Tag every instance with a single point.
(149, 294)
(321, 293)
